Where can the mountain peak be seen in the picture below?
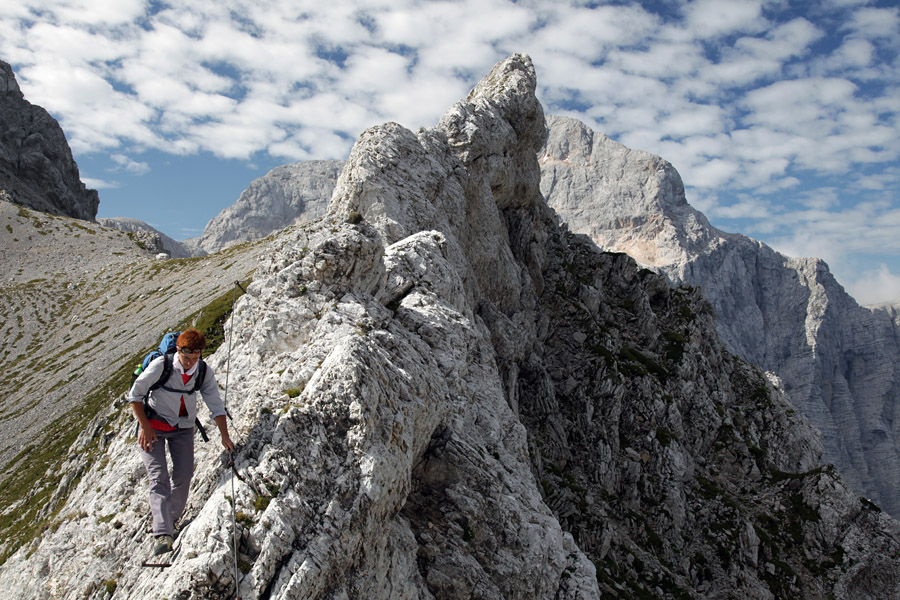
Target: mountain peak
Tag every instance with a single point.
(36, 165)
(626, 200)
(789, 315)
(8, 84)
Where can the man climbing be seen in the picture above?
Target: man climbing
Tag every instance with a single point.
(171, 408)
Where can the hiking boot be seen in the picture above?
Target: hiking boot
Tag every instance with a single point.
(163, 545)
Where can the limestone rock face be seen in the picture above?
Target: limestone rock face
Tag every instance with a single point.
(165, 244)
(36, 165)
(440, 393)
(840, 362)
(286, 195)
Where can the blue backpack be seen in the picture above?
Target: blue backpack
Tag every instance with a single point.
(166, 346)
(167, 349)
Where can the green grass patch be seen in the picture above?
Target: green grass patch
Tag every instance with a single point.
(601, 351)
(664, 436)
(642, 364)
(674, 346)
(80, 226)
(211, 318)
(869, 505)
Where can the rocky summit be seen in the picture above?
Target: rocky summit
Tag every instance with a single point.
(839, 362)
(37, 170)
(439, 392)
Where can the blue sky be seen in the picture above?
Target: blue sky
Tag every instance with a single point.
(782, 117)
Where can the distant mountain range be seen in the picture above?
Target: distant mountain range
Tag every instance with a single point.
(840, 362)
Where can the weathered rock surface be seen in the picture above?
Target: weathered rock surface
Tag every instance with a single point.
(173, 248)
(286, 195)
(441, 393)
(36, 165)
(840, 362)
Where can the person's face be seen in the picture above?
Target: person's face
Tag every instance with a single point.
(188, 357)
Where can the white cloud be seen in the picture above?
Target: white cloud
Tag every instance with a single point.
(311, 142)
(84, 12)
(873, 23)
(752, 208)
(588, 33)
(74, 45)
(820, 199)
(782, 42)
(889, 179)
(844, 3)
(779, 185)
(753, 58)
(853, 53)
(375, 69)
(712, 174)
(712, 18)
(98, 184)
(662, 59)
(241, 133)
(93, 115)
(189, 232)
(874, 286)
(829, 127)
(412, 105)
(796, 105)
(694, 119)
(869, 227)
(130, 165)
(331, 111)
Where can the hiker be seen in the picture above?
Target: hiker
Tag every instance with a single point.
(172, 409)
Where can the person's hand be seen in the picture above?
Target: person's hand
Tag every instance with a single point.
(146, 438)
(227, 443)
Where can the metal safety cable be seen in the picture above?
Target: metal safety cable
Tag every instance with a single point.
(234, 539)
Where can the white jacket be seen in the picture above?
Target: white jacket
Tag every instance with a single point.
(167, 404)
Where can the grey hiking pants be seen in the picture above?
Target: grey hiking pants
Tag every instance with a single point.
(168, 497)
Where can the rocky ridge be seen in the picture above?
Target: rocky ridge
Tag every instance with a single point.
(286, 195)
(441, 393)
(840, 363)
(36, 165)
